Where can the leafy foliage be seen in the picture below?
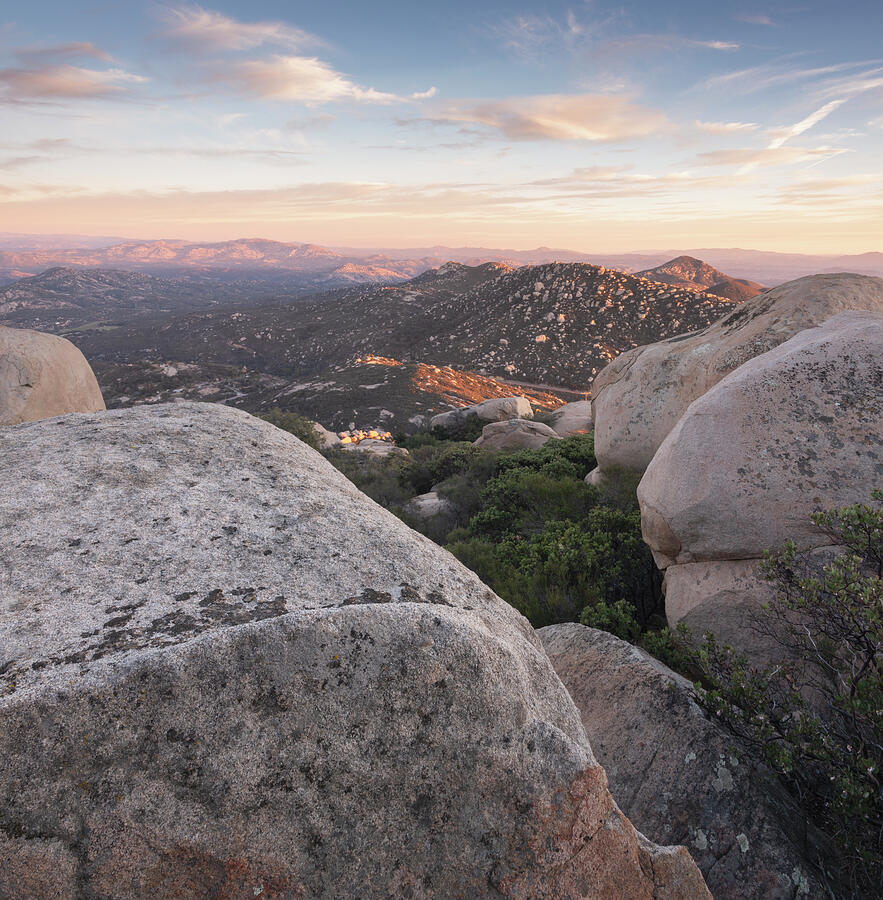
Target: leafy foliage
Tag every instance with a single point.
(526, 522)
(816, 717)
(300, 426)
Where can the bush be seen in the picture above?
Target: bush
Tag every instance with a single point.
(816, 717)
(300, 426)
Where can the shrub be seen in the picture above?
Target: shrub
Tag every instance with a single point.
(300, 426)
(816, 717)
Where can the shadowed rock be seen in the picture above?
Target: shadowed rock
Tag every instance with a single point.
(516, 434)
(226, 672)
(497, 409)
(679, 776)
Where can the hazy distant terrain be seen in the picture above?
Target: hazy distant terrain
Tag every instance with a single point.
(304, 266)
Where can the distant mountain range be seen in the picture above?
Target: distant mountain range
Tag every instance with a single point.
(304, 266)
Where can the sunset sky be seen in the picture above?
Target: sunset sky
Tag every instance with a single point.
(588, 126)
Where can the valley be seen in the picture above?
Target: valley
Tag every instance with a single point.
(554, 325)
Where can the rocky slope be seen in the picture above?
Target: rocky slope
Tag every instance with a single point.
(64, 298)
(226, 672)
(541, 325)
(694, 274)
(374, 392)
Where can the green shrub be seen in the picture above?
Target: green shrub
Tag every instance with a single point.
(300, 426)
(815, 717)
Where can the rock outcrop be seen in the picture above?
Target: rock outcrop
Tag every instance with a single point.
(376, 448)
(516, 434)
(640, 396)
(676, 774)
(572, 418)
(497, 409)
(226, 672)
(429, 505)
(327, 439)
(791, 431)
(42, 376)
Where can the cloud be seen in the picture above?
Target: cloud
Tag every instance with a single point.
(63, 52)
(757, 20)
(726, 127)
(425, 95)
(529, 36)
(715, 45)
(205, 28)
(300, 79)
(64, 82)
(749, 158)
(759, 78)
(785, 134)
(560, 117)
(18, 162)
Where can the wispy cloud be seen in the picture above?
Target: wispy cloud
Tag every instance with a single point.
(64, 82)
(757, 20)
(749, 158)
(782, 135)
(560, 117)
(726, 127)
(759, 78)
(300, 79)
(62, 52)
(208, 29)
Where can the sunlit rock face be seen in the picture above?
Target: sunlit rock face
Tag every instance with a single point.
(642, 394)
(212, 685)
(794, 430)
(41, 376)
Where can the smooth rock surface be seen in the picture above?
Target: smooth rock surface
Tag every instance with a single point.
(428, 505)
(497, 409)
(516, 434)
(42, 375)
(639, 397)
(678, 775)
(377, 448)
(572, 418)
(794, 430)
(226, 672)
(327, 438)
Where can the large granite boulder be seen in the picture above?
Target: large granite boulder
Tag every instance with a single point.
(42, 376)
(226, 672)
(791, 431)
(497, 409)
(516, 434)
(639, 397)
(678, 775)
(572, 418)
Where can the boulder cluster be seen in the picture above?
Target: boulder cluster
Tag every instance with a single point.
(743, 430)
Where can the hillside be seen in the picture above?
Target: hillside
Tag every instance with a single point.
(693, 274)
(534, 328)
(64, 298)
(374, 392)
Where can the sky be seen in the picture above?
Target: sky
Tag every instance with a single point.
(583, 125)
